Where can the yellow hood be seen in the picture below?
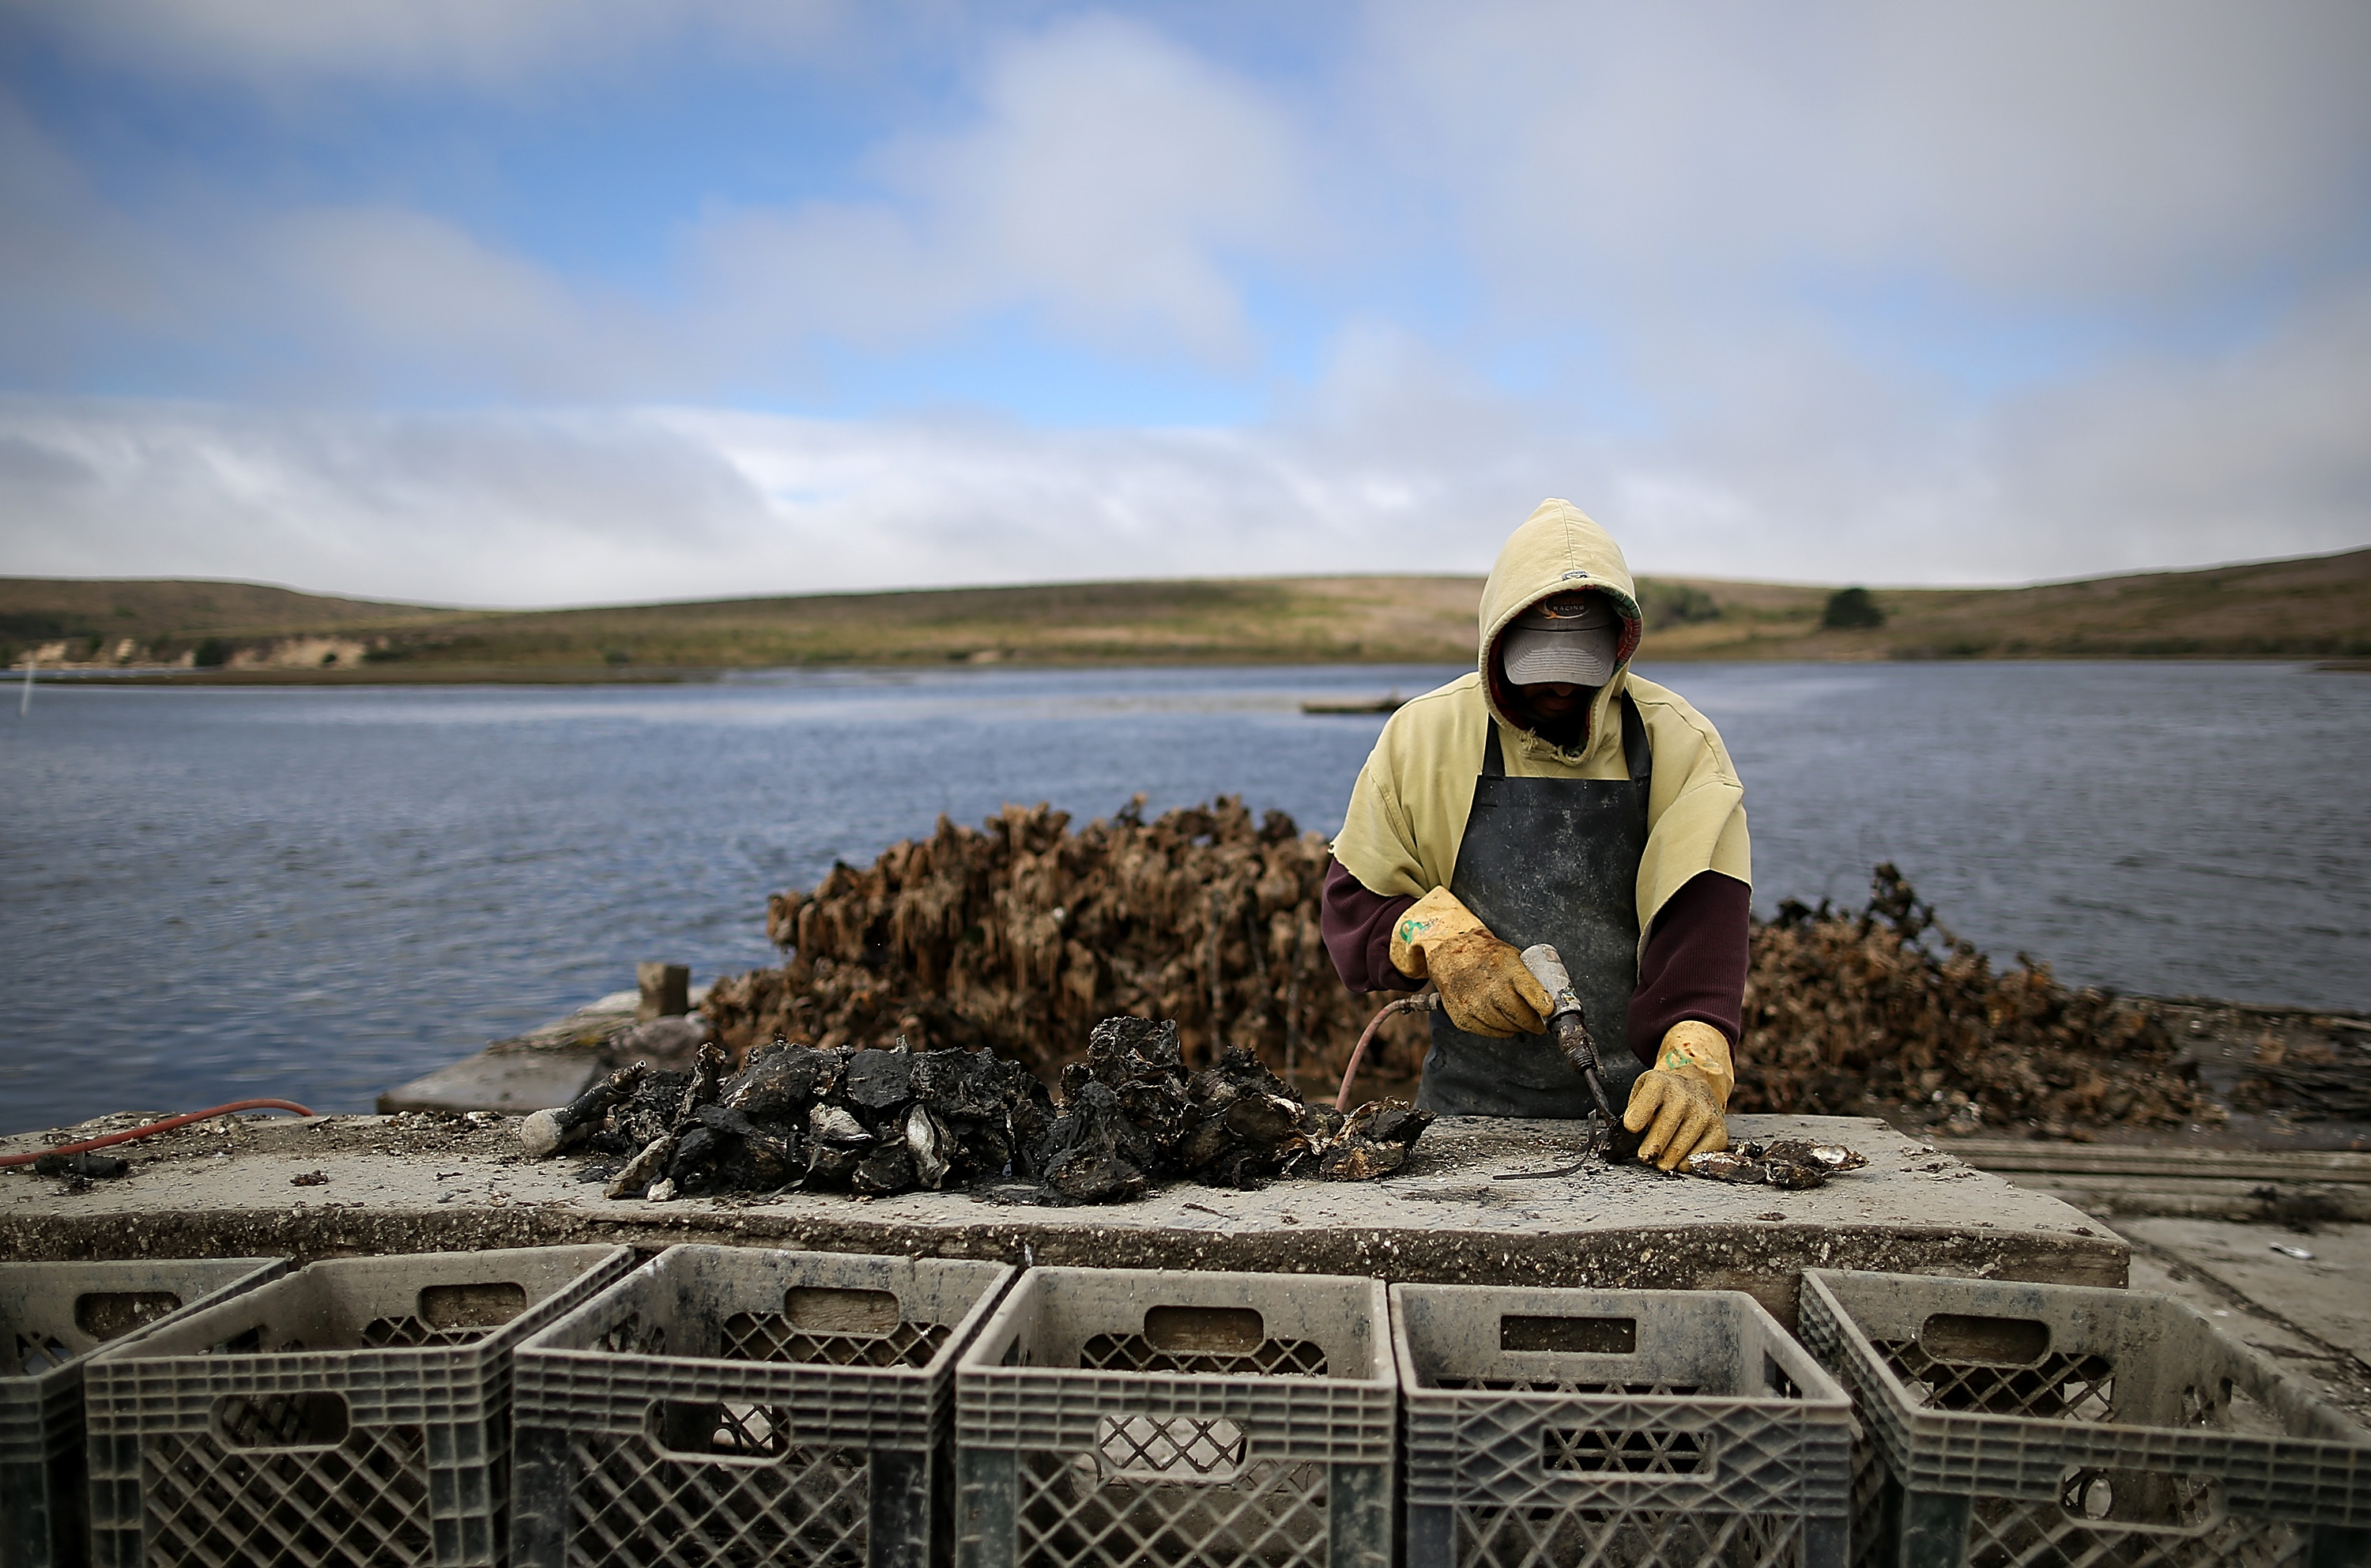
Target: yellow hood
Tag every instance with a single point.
(1408, 810)
(1558, 549)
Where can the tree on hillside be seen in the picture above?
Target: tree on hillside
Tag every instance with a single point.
(1851, 609)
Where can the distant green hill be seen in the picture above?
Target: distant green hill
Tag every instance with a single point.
(2314, 607)
(48, 609)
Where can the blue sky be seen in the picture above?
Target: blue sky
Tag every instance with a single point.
(563, 301)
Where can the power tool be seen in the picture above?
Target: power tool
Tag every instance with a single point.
(1569, 1024)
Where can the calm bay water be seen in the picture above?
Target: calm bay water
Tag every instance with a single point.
(316, 894)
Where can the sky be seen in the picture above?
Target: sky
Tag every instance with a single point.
(580, 301)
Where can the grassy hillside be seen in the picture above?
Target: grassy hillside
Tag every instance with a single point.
(2315, 607)
(47, 610)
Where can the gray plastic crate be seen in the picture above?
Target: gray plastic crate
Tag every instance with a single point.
(354, 1413)
(1583, 1428)
(53, 1316)
(2054, 1423)
(722, 1404)
(1107, 1417)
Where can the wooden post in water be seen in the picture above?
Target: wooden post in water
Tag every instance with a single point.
(667, 990)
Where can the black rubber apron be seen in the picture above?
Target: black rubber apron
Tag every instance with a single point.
(1550, 860)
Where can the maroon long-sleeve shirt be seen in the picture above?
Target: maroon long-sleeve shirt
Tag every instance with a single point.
(1693, 965)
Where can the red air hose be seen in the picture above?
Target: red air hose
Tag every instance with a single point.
(1425, 1002)
(166, 1126)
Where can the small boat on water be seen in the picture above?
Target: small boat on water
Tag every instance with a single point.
(1354, 705)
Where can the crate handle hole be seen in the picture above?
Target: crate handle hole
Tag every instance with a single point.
(486, 1304)
(1989, 1342)
(1205, 1330)
(2139, 1500)
(726, 1429)
(1175, 1448)
(827, 1310)
(314, 1420)
(1589, 1336)
(110, 1314)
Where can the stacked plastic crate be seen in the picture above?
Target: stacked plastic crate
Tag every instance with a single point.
(731, 1405)
(1587, 1428)
(354, 1413)
(1109, 1418)
(52, 1318)
(2033, 1423)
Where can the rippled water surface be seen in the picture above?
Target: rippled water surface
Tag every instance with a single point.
(317, 894)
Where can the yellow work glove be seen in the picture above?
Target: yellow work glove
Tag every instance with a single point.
(1484, 987)
(1681, 1102)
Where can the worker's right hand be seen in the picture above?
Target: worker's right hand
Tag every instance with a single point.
(1484, 987)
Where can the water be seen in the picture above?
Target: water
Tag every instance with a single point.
(316, 894)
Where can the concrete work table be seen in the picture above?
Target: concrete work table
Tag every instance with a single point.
(343, 1185)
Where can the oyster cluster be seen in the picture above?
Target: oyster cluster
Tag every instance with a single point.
(1134, 1114)
(872, 1123)
(880, 1122)
(1790, 1163)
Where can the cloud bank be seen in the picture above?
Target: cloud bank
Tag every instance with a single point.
(1842, 292)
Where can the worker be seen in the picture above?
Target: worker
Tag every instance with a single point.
(1553, 796)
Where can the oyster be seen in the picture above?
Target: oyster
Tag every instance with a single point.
(832, 1125)
(1722, 1165)
(927, 1141)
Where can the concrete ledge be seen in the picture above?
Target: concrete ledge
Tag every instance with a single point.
(515, 1081)
(554, 1064)
(420, 1184)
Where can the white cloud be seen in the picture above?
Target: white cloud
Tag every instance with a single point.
(399, 295)
(1759, 251)
(665, 502)
(1109, 185)
(354, 300)
(480, 509)
(1397, 462)
(2262, 450)
(1112, 185)
(66, 257)
(2024, 152)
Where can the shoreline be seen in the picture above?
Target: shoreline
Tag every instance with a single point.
(2314, 607)
(710, 674)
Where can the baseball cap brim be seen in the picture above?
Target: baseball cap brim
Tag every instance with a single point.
(1537, 655)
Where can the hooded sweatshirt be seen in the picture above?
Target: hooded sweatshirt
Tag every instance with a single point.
(1407, 811)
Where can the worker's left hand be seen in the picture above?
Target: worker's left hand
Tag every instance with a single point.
(1682, 1103)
